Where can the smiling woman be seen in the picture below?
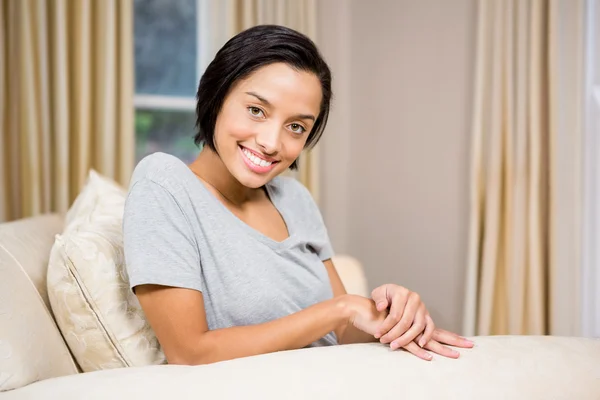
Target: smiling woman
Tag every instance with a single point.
(230, 259)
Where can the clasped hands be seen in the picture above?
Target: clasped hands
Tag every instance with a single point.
(400, 318)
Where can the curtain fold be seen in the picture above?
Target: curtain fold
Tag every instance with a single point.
(226, 18)
(523, 230)
(67, 100)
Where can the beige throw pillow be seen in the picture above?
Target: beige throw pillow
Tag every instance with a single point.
(98, 315)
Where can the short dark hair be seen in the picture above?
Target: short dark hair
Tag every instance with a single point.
(243, 54)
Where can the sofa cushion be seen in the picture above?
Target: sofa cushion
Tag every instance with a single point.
(88, 288)
(31, 346)
(498, 367)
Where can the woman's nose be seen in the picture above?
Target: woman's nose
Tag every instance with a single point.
(268, 139)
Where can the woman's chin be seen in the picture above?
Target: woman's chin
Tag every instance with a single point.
(252, 180)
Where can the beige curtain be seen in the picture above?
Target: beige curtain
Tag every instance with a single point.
(523, 266)
(66, 103)
(225, 18)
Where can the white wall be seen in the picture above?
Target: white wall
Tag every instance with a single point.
(395, 157)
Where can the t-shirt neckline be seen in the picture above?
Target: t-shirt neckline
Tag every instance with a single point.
(275, 200)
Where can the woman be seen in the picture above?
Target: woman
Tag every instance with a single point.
(227, 258)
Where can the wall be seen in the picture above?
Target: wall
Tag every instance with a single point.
(395, 157)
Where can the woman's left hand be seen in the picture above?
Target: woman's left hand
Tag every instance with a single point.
(440, 339)
(407, 319)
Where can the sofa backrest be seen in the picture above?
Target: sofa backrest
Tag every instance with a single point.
(31, 345)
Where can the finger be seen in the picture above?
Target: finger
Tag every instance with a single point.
(417, 340)
(451, 338)
(404, 323)
(380, 297)
(417, 351)
(442, 350)
(415, 330)
(382, 305)
(429, 330)
(397, 311)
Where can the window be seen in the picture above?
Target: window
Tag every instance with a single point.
(167, 71)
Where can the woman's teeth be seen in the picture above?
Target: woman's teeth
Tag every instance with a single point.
(255, 160)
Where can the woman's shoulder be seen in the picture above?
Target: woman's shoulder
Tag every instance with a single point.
(160, 168)
(160, 185)
(292, 194)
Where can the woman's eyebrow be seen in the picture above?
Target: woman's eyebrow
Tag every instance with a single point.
(305, 116)
(260, 98)
(268, 104)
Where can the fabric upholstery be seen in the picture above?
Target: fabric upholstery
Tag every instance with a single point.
(31, 346)
(500, 367)
(99, 316)
(352, 274)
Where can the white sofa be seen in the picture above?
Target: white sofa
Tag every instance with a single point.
(36, 363)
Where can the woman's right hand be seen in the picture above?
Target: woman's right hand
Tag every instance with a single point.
(363, 314)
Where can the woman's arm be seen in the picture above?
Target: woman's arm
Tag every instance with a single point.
(178, 318)
(347, 333)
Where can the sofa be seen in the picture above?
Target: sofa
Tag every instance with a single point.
(37, 363)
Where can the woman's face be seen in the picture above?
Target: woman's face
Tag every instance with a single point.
(265, 121)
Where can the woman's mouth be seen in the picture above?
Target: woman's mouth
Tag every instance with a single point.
(255, 162)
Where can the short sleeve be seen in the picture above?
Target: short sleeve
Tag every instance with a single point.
(322, 244)
(159, 244)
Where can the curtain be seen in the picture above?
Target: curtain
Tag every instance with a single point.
(66, 103)
(524, 240)
(222, 19)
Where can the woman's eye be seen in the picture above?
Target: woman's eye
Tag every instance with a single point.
(297, 128)
(255, 111)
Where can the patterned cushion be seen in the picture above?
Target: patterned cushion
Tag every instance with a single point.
(99, 316)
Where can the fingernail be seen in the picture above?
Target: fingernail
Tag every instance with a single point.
(428, 356)
(377, 335)
(394, 345)
(421, 343)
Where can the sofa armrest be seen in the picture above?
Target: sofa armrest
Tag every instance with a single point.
(352, 274)
(498, 367)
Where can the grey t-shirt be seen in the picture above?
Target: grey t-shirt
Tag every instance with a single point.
(177, 233)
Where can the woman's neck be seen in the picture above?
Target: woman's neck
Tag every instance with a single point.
(209, 167)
